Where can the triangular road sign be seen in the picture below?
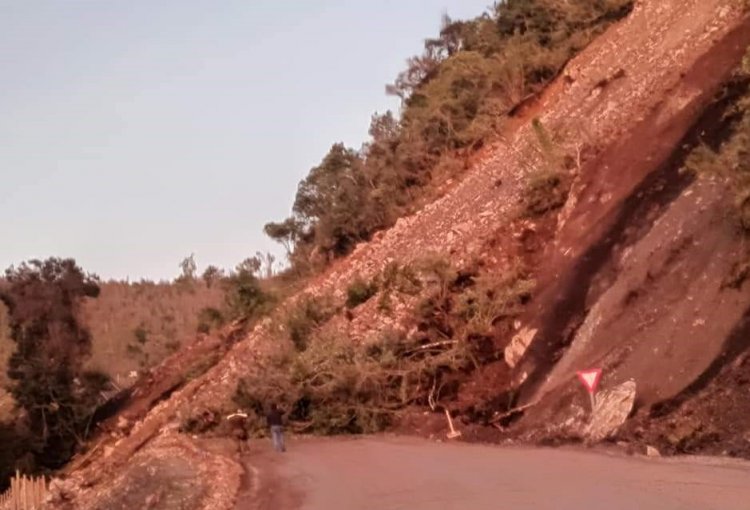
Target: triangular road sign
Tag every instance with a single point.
(590, 378)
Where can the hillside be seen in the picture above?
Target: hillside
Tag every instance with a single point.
(603, 226)
(136, 325)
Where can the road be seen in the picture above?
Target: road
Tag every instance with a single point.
(407, 473)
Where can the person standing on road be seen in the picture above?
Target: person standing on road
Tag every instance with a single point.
(238, 424)
(276, 424)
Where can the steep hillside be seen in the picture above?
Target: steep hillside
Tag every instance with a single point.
(579, 238)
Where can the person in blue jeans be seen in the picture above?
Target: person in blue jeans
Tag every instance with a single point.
(276, 424)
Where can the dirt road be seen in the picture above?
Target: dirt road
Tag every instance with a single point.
(384, 474)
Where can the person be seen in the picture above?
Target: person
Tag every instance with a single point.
(238, 423)
(276, 424)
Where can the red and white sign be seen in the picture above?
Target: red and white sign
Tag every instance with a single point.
(590, 378)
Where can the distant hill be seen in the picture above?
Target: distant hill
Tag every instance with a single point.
(135, 325)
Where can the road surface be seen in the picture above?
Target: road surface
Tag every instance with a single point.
(407, 473)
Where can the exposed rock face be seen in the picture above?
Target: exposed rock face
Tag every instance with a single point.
(613, 406)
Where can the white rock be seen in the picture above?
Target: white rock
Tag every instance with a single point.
(518, 345)
(613, 406)
(652, 452)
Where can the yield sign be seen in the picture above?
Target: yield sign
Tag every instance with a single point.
(590, 378)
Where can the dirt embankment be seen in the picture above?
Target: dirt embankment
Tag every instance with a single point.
(622, 107)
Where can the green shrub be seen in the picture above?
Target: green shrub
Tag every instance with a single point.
(245, 296)
(400, 278)
(730, 159)
(209, 318)
(305, 317)
(141, 335)
(545, 192)
(336, 386)
(330, 384)
(360, 291)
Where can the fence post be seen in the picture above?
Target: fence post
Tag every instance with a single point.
(25, 493)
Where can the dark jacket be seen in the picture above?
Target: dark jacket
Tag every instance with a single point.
(273, 418)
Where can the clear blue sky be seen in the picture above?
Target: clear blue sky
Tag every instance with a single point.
(134, 132)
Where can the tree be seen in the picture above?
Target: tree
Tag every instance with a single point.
(332, 202)
(47, 368)
(250, 265)
(245, 296)
(189, 268)
(267, 260)
(211, 275)
(287, 232)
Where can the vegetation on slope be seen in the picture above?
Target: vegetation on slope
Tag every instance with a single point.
(454, 96)
(49, 381)
(332, 383)
(730, 158)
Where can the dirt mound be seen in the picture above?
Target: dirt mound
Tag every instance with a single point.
(171, 473)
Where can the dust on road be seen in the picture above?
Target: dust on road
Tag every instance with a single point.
(407, 473)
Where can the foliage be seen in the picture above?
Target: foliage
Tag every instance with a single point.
(396, 278)
(211, 275)
(141, 334)
(305, 316)
(244, 293)
(360, 291)
(468, 306)
(455, 96)
(50, 384)
(545, 192)
(548, 186)
(336, 385)
(189, 269)
(209, 318)
(730, 159)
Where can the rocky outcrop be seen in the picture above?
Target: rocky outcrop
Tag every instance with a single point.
(612, 408)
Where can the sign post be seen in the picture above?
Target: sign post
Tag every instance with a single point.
(590, 380)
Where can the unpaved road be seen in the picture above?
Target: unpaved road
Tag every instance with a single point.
(406, 473)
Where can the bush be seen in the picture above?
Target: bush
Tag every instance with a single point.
(467, 308)
(307, 315)
(209, 318)
(730, 159)
(545, 192)
(360, 291)
(336, 386)
(548, 187)
(330, 384)
(245, 296)
(140, 334)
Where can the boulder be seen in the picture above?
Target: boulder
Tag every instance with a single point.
(652, 452)
(613, 406)
(518, 345)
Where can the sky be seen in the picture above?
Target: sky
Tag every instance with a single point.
(136, 132)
